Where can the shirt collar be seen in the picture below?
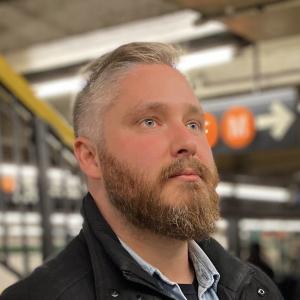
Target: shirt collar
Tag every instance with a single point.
(144, 265)
(206, 273)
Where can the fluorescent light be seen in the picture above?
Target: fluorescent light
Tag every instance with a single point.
(62, 86)
(254, 192)
(169, 28)
(270, 225)
(13, 170)
(72, 85)
(205, 58)
(264, 193)
(28, 223)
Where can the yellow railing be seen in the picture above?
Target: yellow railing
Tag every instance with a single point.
(17, 85)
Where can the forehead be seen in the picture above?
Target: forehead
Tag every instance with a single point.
(155, 83)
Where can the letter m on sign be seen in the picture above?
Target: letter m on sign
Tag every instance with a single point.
(238, 127)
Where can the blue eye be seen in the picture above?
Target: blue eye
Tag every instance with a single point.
(195, 126)
(149, 123)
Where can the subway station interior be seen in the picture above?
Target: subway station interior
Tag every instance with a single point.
(242, 59)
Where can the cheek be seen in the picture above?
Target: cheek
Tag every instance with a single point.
(210, 163)
(205, 155)
(141, 152)
(208, 157)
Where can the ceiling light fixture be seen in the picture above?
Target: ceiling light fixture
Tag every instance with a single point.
(169, 28)
(253, 192)
(58, 87)
(205, 58)
(197, 60)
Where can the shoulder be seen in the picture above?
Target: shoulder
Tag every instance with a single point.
(262, 284)
(238, 277)
(67, 273)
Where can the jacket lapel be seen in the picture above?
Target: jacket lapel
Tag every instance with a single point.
(233, 272)
(111, 263)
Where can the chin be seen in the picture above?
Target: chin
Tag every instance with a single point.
(177, 198)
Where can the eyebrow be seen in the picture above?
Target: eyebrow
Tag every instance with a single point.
(154, 107)
(194, 109)
(157, 107)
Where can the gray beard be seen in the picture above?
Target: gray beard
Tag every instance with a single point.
(140, 201)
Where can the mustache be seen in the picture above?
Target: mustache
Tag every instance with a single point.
(179, 165)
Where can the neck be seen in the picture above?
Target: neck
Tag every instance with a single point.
(168, 255)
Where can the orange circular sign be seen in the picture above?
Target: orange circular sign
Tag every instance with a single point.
(211, 129)
(238, 127)
(7, 184)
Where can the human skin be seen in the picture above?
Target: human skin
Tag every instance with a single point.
(160, 93)
(155, 120)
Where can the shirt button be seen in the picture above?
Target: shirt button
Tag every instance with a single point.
(261, 292)
(115, 293)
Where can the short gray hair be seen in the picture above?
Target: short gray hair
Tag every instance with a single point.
(103, 76)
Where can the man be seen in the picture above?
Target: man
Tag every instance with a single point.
(141, 143)
(256, 258)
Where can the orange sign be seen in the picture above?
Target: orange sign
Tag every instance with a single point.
(7, 184)
(211, 129)
(238, 127)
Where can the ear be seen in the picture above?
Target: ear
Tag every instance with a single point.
(86, 154)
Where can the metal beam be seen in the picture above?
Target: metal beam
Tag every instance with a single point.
(43, 185)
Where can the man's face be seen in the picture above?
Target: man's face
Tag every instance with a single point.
(157, 166)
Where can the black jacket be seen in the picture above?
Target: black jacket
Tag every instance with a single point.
(94, 266)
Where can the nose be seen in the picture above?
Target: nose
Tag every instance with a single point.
(183, 143)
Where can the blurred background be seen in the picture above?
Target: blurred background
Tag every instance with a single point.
(243, 61)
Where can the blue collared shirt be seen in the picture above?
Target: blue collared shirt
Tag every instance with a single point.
(206, 273)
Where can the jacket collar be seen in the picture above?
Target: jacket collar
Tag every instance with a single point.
(101, 238)
(233, 272)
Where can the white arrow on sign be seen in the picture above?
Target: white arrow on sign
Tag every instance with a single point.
(278, 120)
